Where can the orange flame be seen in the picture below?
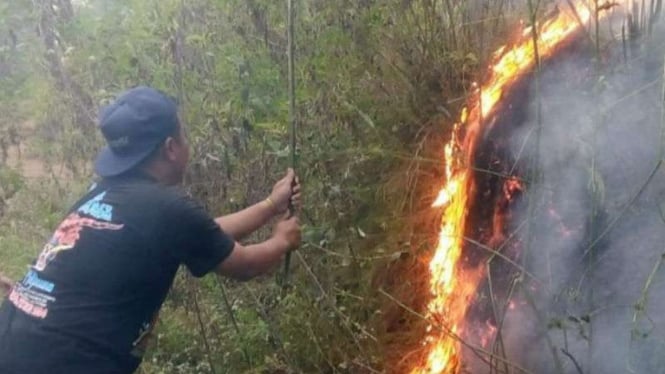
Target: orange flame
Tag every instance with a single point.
(453, 285)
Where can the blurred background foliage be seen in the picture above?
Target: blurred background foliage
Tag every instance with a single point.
(379, 83)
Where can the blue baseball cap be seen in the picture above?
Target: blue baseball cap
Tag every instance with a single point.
(134, 125)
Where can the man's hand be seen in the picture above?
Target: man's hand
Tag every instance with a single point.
(286, 190)
(287, 231)
(240, 224)
(5, 284)
(245, 263)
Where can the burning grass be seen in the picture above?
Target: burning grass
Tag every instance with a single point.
(455, 276)
(453, 284)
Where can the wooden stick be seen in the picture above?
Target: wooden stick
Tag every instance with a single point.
(292, 119)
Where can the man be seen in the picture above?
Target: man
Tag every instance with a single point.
(88, 302)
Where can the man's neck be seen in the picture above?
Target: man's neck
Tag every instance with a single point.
(158, 173)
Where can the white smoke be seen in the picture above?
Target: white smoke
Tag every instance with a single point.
(598, 310)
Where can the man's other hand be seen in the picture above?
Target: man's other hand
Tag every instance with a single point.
(288, 232)
(5, 284)
(245, 263)
(286, 190)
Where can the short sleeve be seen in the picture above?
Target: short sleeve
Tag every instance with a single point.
(197, 240)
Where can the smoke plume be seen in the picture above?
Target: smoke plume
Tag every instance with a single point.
(595, 237)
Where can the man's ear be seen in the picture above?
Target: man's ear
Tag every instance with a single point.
(169, 149)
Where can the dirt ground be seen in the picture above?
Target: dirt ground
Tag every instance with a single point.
(27, 163)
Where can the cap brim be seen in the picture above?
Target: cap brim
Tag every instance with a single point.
(109, 164)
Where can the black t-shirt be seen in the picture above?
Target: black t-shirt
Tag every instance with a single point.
(88, 300)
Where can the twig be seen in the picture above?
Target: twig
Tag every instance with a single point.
(438, 326)
(662, 112)
(498, 174)
(519, 267)
(576, 14)
(278, 342)
(499, 335)
(521, 151)
(344, 318)
(532, 303)
(630, 203)
(570, 356)
(641, 304)
(533, 170)
(366, 367)
(636, 92)
(197, 310)
(598, 119)
(229, 311)
(500, 319)
(318, 345)
(624, 46)
(366, 258)
(597, 30)
(477, 350)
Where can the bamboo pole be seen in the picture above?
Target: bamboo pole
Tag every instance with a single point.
(292, 118)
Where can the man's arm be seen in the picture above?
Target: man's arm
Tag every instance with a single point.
(239, 225)
(247, 262)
